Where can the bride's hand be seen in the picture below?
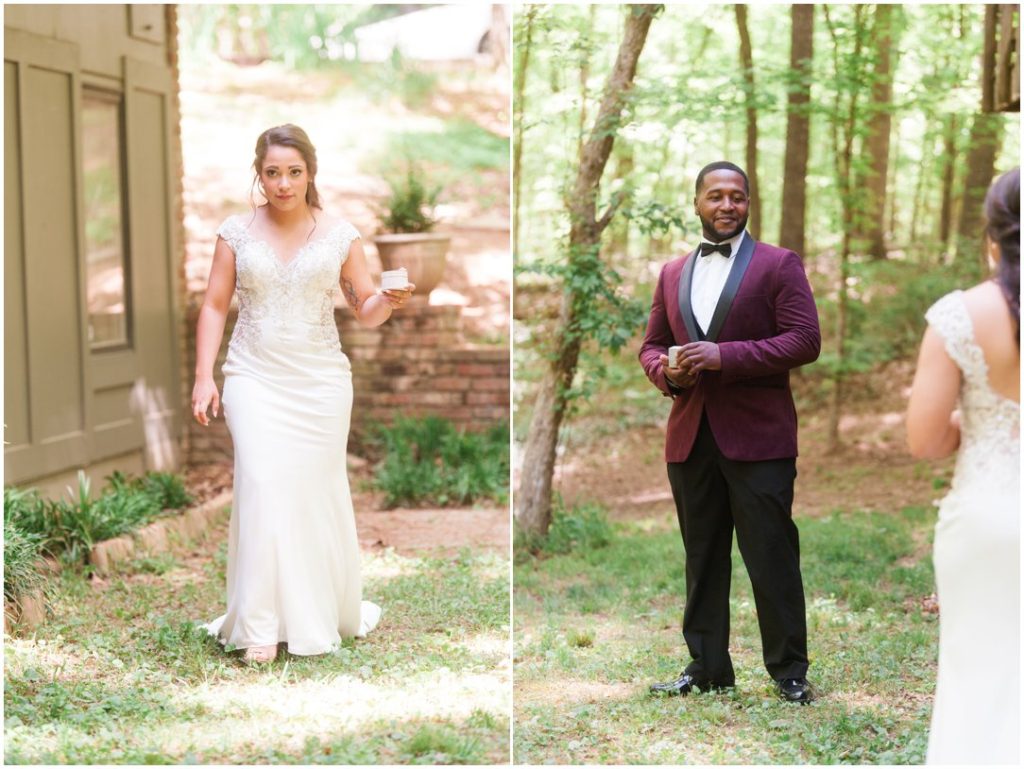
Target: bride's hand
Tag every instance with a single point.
(204, 395)
(396, 297)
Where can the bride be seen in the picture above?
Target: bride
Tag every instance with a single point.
(293, 555)
(971, 354)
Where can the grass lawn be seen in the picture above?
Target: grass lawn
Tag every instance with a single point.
(595, 627)
(120, 674)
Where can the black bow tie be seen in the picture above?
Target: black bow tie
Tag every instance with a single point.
(725, 249)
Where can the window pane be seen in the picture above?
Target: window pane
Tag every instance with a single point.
(104, 218)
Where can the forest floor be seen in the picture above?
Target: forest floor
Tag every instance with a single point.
(595, 627)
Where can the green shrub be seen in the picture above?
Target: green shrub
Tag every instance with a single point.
(28, 512)
(74, 525)
(584, 527)
(885, 314)
(168, 489)
(408, 209)
(429, 461)
(21, 560)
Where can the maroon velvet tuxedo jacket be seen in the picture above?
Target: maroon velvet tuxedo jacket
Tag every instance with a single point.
(769, 327)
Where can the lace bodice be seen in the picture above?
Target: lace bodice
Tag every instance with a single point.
(990, 424)
(296, 297)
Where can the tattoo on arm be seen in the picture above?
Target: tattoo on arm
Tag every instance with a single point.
(350, 294)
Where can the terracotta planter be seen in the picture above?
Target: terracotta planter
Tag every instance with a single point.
(423, 254)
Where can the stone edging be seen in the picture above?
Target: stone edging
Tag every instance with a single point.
(157, 537)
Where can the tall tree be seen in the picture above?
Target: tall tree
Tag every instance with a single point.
(879, 125)
(584, 271)
(747, 63)
(848, 72)
(986, 133)
(586, 45)
(949, 159)
(518, 111)
(798, 129)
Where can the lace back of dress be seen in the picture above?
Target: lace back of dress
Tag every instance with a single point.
(990, 423)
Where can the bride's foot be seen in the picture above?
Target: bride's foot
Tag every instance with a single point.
(256, 654)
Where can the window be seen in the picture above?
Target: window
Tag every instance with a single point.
(105, 249)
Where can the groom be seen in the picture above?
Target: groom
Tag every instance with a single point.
(744, 315)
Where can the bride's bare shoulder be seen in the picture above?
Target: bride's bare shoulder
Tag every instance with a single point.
(989, 312)
(981, 297)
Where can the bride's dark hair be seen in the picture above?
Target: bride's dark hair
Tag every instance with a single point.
(288, 135)
(1002, 210)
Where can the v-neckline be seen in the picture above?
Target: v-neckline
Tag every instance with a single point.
(282, 265)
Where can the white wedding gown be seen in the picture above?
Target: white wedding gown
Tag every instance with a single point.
(976, 717)
(293, 555)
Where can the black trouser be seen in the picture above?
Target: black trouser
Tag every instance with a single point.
(713, 494)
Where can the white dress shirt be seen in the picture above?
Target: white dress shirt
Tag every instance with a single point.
(709, 275)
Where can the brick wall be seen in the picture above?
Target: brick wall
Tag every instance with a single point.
(416, 364)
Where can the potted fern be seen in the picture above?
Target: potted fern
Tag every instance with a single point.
(406, 240)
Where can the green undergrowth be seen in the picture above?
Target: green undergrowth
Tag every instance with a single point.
(123, 673)
(597, 625)
(430, 461)
(70, 527)
(585, 526)
(461, 146)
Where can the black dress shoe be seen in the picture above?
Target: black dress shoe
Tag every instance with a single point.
(794, 690)
(683, 685)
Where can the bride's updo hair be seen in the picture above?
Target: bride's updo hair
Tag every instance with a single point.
(1002, 210)
(289, 135)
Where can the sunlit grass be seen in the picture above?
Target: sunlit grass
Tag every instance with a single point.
(595, 627)
(121, 674)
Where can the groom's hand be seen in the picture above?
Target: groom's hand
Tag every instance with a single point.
(701, 356)
(680, 377)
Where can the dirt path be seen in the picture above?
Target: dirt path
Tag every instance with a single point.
(408, 531)
(447, 530)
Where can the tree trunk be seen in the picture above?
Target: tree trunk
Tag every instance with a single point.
(518, 107)
(533, 498)
(843, 134)
(618, 231)
(747, 62)
(798, 124)
(948, 169)
(986, 132)
(895, 163)
(879, 125)
(924, 171)
(586, 44)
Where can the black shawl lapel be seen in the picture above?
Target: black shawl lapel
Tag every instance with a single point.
(732, 284)
(685, 308)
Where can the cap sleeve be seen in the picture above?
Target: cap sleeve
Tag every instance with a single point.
(344, 235)
(232, 231)
(949, 318)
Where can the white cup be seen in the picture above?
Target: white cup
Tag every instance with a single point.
(675, 352)
(394, 278)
